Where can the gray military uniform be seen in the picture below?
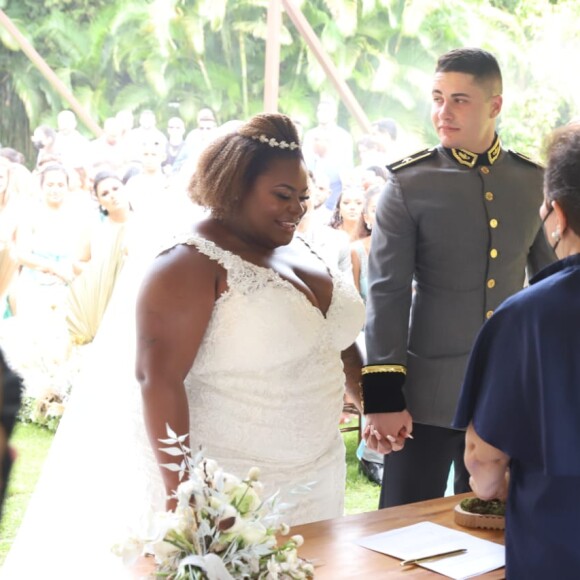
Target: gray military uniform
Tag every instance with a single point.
(464, 235)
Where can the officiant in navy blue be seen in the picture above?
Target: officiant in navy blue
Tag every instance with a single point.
(520, 400)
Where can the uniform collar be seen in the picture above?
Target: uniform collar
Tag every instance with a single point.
(469, 159)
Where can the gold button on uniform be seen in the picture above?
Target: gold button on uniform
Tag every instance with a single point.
(489, 314)
(489, 196)
(493, 223)
(485, 170)
(491, 283)
(493, 253)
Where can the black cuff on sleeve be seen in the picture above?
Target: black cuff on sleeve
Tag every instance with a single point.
(382, 392)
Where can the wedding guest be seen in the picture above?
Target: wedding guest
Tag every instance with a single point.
(347, 215)
(109, 151)
(371, 151)
(44, 140)
(360, 248)
(196, 140)
(319, 192)
(115, 213)
(328, 148)
(387, 131)
(104, 257)
(50, 241)
(330, 244)
(520, 399)
(72, 146)
(252, 390)
(175, 142)
(113, 201)
(146, 130)
(147, 188)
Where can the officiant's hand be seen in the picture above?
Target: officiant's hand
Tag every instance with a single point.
(387, 432)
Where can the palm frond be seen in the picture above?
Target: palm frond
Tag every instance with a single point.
(90, 292)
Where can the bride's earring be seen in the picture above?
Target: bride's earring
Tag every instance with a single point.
(556, 235)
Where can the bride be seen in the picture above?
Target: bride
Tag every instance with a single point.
(240, 329)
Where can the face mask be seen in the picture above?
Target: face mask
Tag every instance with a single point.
(38, 144)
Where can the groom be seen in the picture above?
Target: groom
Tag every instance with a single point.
(456, 227)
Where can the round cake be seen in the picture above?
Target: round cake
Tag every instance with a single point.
(478, 518)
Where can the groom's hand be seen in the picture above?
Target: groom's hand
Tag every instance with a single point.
(386, 432)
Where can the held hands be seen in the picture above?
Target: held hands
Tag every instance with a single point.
(386, 432)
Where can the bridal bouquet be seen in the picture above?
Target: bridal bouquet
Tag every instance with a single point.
(221, 528)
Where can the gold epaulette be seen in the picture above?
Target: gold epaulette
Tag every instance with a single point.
(411, 159)
(526, 158)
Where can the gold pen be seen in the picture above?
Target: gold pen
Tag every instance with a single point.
(433, 557)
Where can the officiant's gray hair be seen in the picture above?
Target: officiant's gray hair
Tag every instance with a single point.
(562, 174)
(229, 166)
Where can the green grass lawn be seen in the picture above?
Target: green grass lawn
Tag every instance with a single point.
(32, 444)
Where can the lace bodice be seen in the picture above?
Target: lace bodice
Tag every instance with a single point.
(267, 384)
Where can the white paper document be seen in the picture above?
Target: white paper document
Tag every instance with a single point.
(427, 538)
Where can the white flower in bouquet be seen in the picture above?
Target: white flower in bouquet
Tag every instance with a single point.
(220, 529)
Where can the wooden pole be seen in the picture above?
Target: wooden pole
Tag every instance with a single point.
(272, 69)
(331, 71)
(49, 74)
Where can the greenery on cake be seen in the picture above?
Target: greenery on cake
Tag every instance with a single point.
(492, 507)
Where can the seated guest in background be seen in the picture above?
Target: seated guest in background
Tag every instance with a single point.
(521, 395)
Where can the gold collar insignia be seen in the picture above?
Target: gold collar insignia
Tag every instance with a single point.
(494, 151)
(464, 157)
(469, 159)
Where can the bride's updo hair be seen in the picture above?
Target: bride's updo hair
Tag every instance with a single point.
(229, 166)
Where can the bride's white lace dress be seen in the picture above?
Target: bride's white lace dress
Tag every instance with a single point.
(265, 390)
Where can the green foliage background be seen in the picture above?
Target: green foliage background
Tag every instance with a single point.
(176, 56)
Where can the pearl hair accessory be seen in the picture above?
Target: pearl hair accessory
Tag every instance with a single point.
(273, 143)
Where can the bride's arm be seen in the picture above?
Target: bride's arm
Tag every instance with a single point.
(173, 310)
(352, 361)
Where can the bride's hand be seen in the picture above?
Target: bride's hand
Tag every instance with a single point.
(387, 432)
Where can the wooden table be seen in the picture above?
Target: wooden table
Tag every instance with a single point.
(333, 542)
